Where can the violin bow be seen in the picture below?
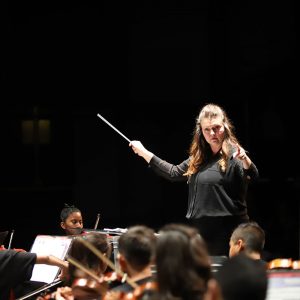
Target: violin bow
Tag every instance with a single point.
(97, 221)
(108, 262)
(10, 239)
(41, 289)
(77, 264)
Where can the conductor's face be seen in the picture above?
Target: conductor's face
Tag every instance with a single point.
(213, 131)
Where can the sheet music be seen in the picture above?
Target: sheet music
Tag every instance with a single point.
(49, 245)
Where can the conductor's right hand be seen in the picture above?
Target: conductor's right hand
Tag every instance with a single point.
(140, 150)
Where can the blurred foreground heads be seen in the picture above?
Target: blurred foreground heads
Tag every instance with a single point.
(243, 278)
(182, 262)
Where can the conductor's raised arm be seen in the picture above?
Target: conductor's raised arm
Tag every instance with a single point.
(140, 150)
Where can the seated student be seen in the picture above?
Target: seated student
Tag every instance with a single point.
(182, 262)
(136, 254)
(91, 289)
(183, 268)
(71, 220)
(16, 267)
(248, 238)
(243, 278)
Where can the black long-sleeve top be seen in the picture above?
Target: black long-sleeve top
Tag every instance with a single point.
(15, 268)
(211, 192)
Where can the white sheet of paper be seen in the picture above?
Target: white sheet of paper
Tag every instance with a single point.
(49, 245)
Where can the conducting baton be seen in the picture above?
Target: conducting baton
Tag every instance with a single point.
(114, 128)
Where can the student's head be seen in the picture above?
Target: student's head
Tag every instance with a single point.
(243, 278)
(71, 220)
(182, 262)
(86, 257)
(136, 248)
(248, 238)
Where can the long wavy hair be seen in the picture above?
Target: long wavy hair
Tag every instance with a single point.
(183, 263)
(200, 150)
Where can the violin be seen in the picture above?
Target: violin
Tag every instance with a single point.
(61, 293)
(148, 288)
(42, 293)
(90, 288)
(87, 288)
(114, 279)
(284, 263)
(81, 289)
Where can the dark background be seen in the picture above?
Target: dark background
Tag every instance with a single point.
(148, 67)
